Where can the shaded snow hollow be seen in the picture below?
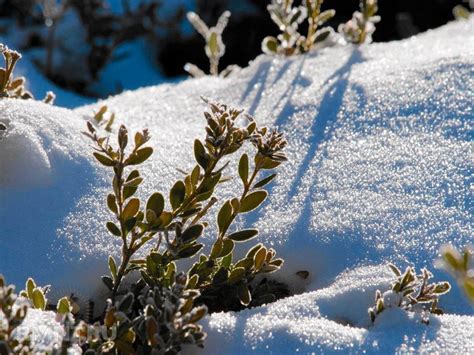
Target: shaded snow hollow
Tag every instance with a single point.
(380, 169)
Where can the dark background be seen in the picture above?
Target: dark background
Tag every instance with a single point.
(243, 36)
(249, 24)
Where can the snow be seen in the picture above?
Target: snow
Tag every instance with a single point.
(380, 169)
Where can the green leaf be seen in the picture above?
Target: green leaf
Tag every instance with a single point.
(244, 168)
(469, 288)
(226, 261)
(243, 235)
(227, 247)
(197, 314)
(107, 280)
(200, 154)
(139, 156)
(321, 35)
(63, 306)
(126, 303)
(131, 209)
(128, 191)
(195, 175)
(112, 267)
(189, 251)
(264, 181)
(130, 223)
(104, 160)
(244, 295)
(213, 44)
(220, 276)
(114, 229)
(177, 194)
(156, 203)
(236, 275)
(224, 216)
(252, 201)
(111, 203)
(38, 300)
(192, 233)
(259, 259)
(270, 45)
(216, 249)
(30, 286)
(325, 16)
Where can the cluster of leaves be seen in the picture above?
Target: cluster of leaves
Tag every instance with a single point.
(359, 29)
(10, 86)
(12, 314)
(461, 266)
(214, 48)
(410, 292)
(288, 18)
(215, 280)
(461, 12)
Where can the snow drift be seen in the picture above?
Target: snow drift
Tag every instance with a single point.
(380, 169)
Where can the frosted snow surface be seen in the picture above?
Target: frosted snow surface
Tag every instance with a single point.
(380, 169)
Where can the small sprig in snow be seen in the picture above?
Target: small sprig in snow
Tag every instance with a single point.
(410, 292)
(460, 265)
(215, 48)
(360, 28)
(288, 18)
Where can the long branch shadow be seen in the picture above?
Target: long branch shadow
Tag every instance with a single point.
(327, 114)
(327, 111)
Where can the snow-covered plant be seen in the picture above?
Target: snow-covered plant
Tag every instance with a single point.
(461, 266)
(288, 19)
(13, 311)
(35, 294)
(130, 225)
(10, 86)
(217, 275)
(214, 48)
(410, 292)
(461, 13)
(362, 25)
(169, 319)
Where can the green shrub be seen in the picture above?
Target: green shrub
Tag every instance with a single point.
(360, 28)
(288, 20)
(139, 313)
(214, 48)
(461, 266)
(410, 292)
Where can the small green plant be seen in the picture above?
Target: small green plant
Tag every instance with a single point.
(410, 292)
(222, 281)
(215, 48)
(12, 314)
(288, 19)
(11, 87)
(461, 266)
(460, 12)
(176, 231)
(36, 295)
(359, 29)
(169, 319)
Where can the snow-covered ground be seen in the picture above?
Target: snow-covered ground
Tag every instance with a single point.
(380, 169)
